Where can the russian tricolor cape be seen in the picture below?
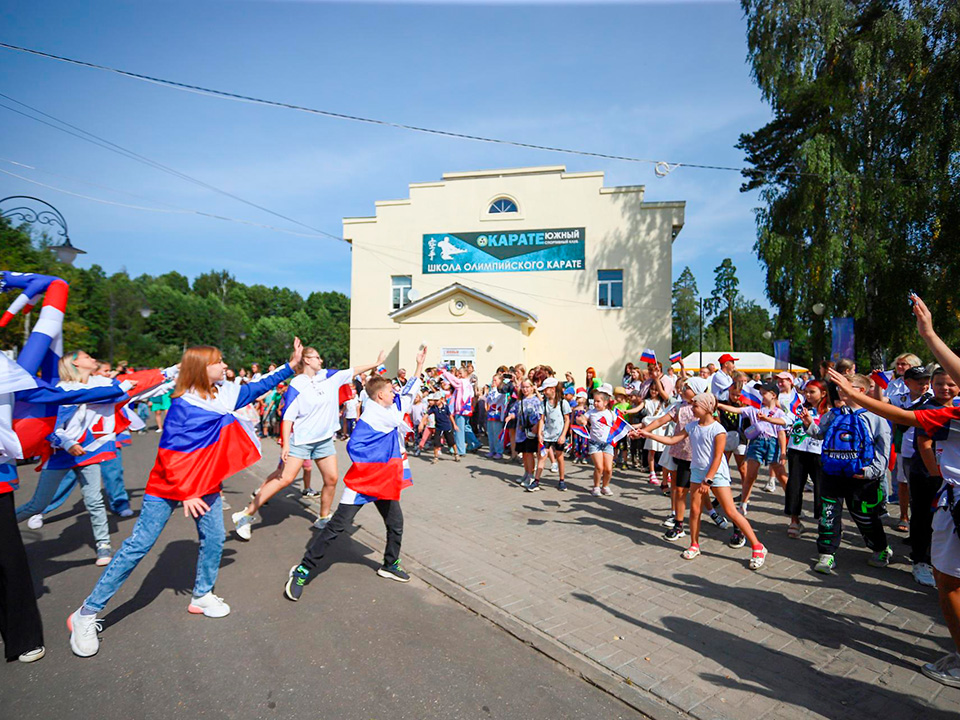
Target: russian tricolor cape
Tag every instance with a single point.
(380, 469)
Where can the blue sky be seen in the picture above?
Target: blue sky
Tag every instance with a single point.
(653, 80)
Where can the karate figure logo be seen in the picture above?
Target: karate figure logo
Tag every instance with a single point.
(448, 249)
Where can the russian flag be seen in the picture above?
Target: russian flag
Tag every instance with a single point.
(619, 430)
(796, 403)
(750, 397)
(44, 347)
(380, 468)
(467, 407)
(882, 377)
(504, 436)
(202, 444)
(62, 460)
(580, 431)
(676, 357)
(33, 422)
(648, 356)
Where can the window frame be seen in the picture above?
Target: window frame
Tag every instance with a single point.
(606, 287)
(404, 290)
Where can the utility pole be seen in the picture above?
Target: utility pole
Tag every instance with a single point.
(701, 333)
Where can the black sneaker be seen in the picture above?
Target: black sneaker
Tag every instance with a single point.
(561, 485)
(299, 576)
(737, 540)
(394, 572)
(674, 533)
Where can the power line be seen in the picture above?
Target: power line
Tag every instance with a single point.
(120, 150)
(174, 211)
(662, 167)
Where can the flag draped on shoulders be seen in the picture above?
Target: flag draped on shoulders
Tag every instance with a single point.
(203, 443)
(380, 469)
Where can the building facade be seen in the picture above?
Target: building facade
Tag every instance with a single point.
(533, 265)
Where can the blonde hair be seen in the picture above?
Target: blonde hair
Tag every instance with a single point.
(910, 359)
(302, 364)
(860, 381)
(66, 368)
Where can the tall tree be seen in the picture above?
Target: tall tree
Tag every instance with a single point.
(858, 170)
(686, 312)
(726, 293)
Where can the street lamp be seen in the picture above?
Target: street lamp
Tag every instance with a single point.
(146, 312)
(818, 308)
(66, 252)
(767, 334)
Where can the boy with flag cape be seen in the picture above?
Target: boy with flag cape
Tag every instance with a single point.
(379, 473)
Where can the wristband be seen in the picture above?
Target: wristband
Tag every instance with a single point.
(708, 481)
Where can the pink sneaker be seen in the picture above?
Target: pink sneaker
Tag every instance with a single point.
(654, 480)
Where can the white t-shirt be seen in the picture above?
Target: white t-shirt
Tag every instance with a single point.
(903, 400)
(720, 384)
(701, 447)
(315, 408)
(599, 424)
(797, 437)
(351, 409)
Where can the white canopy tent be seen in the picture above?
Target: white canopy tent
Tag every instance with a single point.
(748, 362)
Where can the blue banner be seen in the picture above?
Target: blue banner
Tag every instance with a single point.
(842, 342)
(525, 251)
(781, 354)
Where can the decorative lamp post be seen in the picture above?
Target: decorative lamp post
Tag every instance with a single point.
(66, 251)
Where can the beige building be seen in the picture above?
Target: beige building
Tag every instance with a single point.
(533, 265)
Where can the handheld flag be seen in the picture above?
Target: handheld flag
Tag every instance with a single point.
(750, 397)
(882, 378)
(619, 430)
(676, 357)
(796, 404)
(648, 356)
(580, 431)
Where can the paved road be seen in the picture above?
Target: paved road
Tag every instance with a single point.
(356, 646)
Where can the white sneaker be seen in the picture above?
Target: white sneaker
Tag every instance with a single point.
(554, 468)
(946, 670)
(322, 520)
(923, 574)
(209, 605)
(771, 486)
(83, 634)
(596, 491)
(669, 522)
(606, 491)
(243, 523)
(35, 522)
(158, 430)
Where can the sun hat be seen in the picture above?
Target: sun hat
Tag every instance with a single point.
(550, 382)
(605, 388)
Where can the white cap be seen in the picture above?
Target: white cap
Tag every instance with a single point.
(605, 388)
(582, 394)
(548, 383)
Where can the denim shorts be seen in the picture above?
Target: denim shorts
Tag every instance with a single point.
(765, 450)
(599, 447)
(698, 475)
(314, 451)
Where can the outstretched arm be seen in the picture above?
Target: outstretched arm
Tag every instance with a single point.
(730, 408)
(360, 369)
(885, 410)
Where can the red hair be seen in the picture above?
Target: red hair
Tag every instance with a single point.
(823, 406)
(193, 371)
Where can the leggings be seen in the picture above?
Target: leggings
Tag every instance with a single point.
(803, 465)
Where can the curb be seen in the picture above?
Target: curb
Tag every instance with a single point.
(580, 665)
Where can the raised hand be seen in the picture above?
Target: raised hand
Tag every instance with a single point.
(297, 353)
(924, 318)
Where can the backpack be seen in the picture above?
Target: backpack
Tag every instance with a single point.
(847, 444)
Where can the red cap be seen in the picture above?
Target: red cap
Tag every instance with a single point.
(727, 357)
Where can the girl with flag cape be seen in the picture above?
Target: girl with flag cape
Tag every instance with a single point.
(204, 442)
(20, 625)
(379, 473)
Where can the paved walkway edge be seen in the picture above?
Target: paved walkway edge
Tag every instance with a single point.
(611, 683)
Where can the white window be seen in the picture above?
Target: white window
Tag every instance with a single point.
(400, 294)
(610, 288)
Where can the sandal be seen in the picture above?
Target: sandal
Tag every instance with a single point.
(903, 526)
(758, 558)
(691, 552)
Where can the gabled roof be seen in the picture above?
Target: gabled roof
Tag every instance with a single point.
(442, 294)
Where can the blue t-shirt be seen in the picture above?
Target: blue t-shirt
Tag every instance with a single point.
(441, 414)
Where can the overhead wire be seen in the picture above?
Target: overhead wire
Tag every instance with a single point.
(90, 137)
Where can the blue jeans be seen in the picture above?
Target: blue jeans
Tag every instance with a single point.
(154, 514)
(89, 478)
(459, 433)
(111, 473)
(469, 436)
(494, 428)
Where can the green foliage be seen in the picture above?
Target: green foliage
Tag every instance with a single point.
(686, 313)
(859, 170)
(248, 323)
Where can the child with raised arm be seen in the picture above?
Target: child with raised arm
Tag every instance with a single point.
(378, 474)
(942, 425)
(709, 471)
(203, 443)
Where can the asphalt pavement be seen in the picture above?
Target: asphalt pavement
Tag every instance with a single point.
(356, 645)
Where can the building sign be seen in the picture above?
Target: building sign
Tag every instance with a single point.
(526, 251)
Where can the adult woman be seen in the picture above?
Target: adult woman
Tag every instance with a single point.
(463, 403)
(78, 448)
(627, 374)
(204, 442)
(311, 417)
